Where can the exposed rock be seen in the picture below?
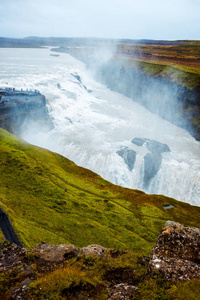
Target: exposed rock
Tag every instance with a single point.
(10, 256)
(176, 253)
(129, 157)
(152, 163)
(18, 108)
(95, 250)
(21, 292)
(157, 147)
(55, 253)
(122, 291)
(152, 145)
(138, 141)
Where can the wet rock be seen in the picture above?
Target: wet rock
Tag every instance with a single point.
(122, 291)
(138, 141)
(95, 250)
(152, 145)
(168, 206)
(129, 157)
(176, 253)
(157, 147)
(55, 253)
(20, 108)
(152, 163)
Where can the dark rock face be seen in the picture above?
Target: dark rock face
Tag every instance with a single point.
(176, 252)
(152, 145)
(19, 108)
(152, 163)
(129, 157)
(157, 147)
(138, 141)
(153, 160)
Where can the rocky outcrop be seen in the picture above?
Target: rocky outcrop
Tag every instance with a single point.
(21, 108)
(176, 253)
(122, 291)
(175, 256)
(95, 250)
(152, 163)
(152, 160)
(55, 253)
(129, 157)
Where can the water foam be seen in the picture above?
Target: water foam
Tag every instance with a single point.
(91, 123)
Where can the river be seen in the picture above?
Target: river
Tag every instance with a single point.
(96, 127)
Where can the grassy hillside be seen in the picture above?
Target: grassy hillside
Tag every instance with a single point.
(49, 198)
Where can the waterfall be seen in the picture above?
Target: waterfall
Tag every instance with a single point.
(103, 130)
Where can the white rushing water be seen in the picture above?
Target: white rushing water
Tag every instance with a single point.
(93, 123)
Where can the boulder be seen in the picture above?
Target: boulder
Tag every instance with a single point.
(95, 250)
(176, 253)
(122, 291)
(157, 147)
(55, 253)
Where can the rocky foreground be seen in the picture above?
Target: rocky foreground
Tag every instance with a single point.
(175, 257)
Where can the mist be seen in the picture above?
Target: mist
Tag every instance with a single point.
(103, 130)
(159, 95)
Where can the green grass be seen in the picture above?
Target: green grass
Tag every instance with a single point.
(49, 198)
(178, 74)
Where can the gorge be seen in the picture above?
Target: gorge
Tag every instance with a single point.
(103, 130)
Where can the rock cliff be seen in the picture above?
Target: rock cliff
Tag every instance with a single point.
(19, 108)
(176, 253)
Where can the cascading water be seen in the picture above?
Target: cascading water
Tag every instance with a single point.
(103, 130)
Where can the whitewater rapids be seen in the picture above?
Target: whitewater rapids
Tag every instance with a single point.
(92, 123)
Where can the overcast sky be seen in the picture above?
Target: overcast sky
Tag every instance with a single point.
(134, 19)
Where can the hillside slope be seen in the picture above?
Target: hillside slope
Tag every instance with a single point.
(49, 198)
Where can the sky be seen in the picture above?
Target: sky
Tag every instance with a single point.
(129, 19)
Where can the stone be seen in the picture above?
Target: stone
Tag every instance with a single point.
(95, 250)
(157, 147)
(122, 291)
(129, 157)
(11, 255)
(21, 291)
(138, 141)
(55, 253)
(176, 253)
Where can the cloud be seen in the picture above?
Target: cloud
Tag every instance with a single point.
(112, 18)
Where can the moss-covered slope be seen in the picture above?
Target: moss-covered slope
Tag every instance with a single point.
(49, 198)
